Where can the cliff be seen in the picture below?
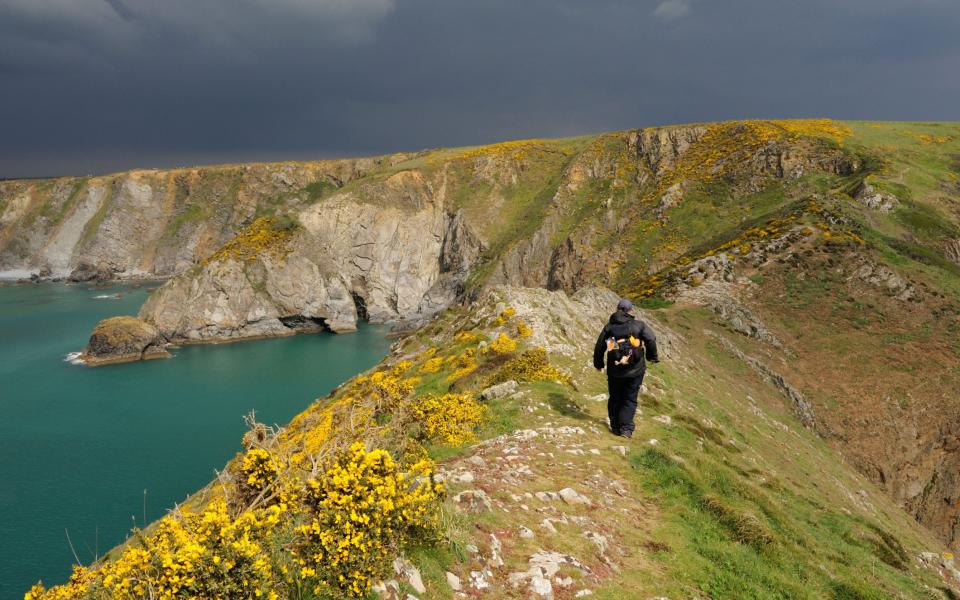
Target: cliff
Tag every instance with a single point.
(811, 263)
(474, 461)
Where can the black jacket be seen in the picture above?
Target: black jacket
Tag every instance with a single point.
(622, 324)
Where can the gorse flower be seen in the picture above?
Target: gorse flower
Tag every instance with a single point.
(360, 513)
(449, 418)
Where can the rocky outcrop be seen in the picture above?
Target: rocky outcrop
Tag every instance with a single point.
(871, 197)
(350, 260)
(123, 339)
(153, 223)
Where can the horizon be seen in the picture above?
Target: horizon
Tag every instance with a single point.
(228, 163)
(111, 85)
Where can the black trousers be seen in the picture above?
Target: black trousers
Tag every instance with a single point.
(622, 405)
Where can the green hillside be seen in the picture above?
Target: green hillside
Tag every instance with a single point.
(800, 439)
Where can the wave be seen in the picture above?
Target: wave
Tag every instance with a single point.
(108, 297)
(73, 358)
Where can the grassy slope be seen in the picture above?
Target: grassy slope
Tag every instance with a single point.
(736, 500)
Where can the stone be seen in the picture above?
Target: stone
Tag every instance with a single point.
(583, 593)
(572, 496)
(474, 501)
(404, 568)
(496, 547)
(123, 339)
(871, 197)
(453, 581)
(621, 450)
(477, 461)
(464, 477)
(541, 587)
(498, 391)
(546, 562)
(663, 419)
(598, 540)
(526, 533)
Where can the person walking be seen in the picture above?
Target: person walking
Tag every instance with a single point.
(626, 343)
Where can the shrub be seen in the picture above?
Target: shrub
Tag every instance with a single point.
(360, 514)
(463, 364)
(449, 418)
(531, 365)
(432, 365)
(504, 344)
(523, 330)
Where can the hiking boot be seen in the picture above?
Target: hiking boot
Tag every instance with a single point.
(626, 433)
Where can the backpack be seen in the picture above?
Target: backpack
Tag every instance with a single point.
(623, 351)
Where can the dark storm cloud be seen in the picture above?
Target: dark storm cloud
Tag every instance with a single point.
(94, 85)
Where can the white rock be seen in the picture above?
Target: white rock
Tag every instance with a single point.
(572, 496)
(548, 525)
(653, 442)
(477, 461)
(526, 533)
(621, 450)
(664, 419)
(583, 594)
(540, 586)
(465, 477)
(495, 549)
(474, 501)
(453, 581)
(499, 391)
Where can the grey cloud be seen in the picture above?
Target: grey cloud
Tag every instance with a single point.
(96, 86)
(670, 10)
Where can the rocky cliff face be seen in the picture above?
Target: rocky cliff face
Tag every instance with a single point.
(846, 304)
(154, 223)
(348, 261)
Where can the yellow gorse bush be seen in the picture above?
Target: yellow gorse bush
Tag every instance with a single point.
(504, 344)
(523, 330)
(531, 365)
(360, 513)
(463, 364)
(206, 554)
(432, 365)
(261, 236)
(259, 469)
(449, 418)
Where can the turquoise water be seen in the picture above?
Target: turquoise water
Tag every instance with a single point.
(78, 446)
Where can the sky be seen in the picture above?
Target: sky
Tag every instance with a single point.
(95, 86)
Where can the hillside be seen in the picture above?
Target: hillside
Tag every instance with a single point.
(721, 494)
(805, 275)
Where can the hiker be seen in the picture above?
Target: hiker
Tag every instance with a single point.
(625, 342)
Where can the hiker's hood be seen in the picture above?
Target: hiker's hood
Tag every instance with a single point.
(620, 317)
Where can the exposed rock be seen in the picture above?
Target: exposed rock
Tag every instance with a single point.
(475, 501)
(453, 581)
(801, 405)
(885, 278)
(403, 568)
(87, 272)
(499, 391)
(572, 496)
(123, 339)
(952, 251)
(670, 198)
(871, 197)
(541, 587)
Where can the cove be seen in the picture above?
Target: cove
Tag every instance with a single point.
(79, 445)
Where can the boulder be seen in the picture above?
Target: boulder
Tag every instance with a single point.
(86, 271)
(499, 391)
(123, 339)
